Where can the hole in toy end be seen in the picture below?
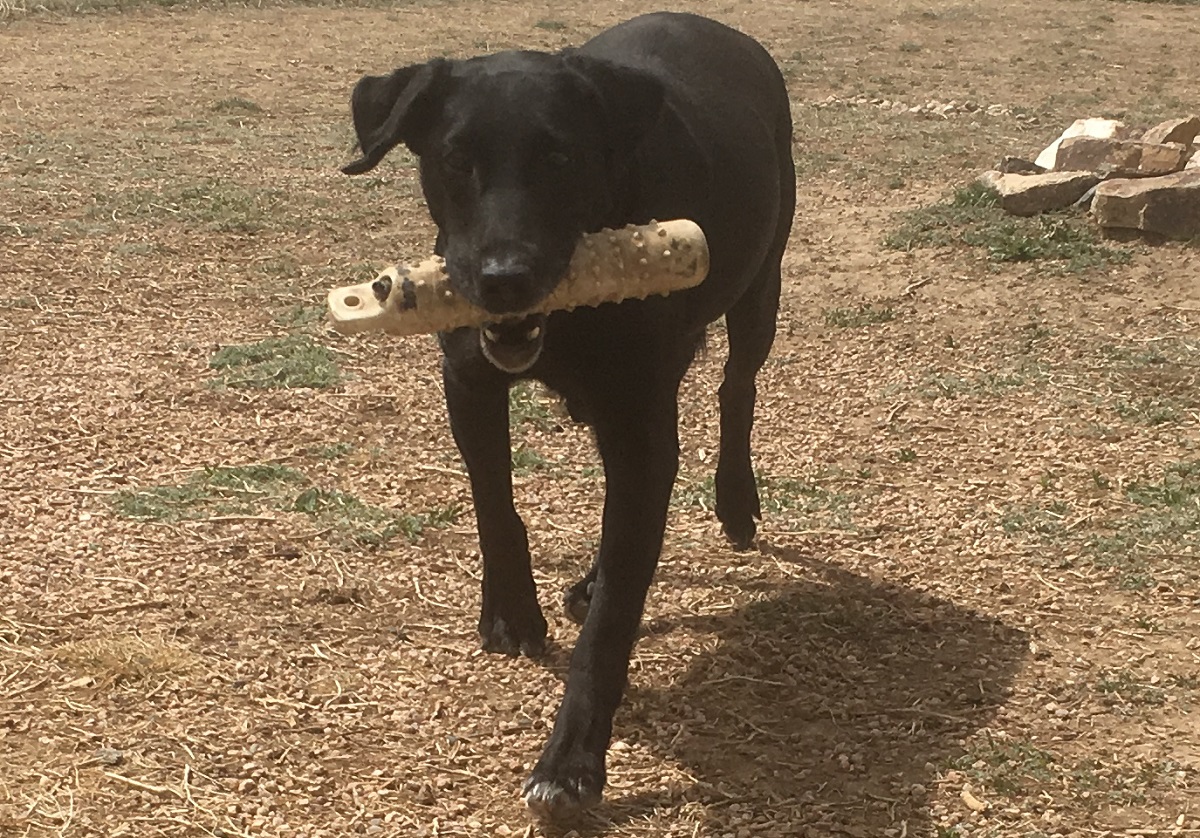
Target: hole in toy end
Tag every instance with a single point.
(351, 301)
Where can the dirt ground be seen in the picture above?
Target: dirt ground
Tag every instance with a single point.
(229, 610)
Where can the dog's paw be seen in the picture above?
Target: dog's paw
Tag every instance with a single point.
(738, 506)
(562, 798)
(578, 599)
(738, 509)
(740, 535)
(514, 636)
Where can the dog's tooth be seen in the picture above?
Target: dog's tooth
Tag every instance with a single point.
(490, 334)
(534, 333)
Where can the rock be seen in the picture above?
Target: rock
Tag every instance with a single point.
(1120, 158)
(1194, 163)
(1174, 131)
(1168, 205)
(1031, 194)
(1017, 166)
(1093, 127)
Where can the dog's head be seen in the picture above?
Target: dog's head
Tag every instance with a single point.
(520, 153)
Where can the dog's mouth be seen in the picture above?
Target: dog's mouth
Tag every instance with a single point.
(513, 346)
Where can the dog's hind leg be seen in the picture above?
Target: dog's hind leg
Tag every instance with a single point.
(510, 620)
(750, 326)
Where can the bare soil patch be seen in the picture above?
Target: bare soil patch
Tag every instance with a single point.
(238, 589)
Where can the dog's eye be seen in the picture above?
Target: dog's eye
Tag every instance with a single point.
(457, 162)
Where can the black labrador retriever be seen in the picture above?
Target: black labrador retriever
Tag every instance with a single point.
(663, 116)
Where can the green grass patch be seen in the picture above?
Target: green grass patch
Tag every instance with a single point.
(137, 249)
(786, 498)
(366, 524)
(1017, 769)
(972, 217)
(332, 451)
(527, 406)
(1124, 687)
(697, 493)
(810, 162)
(1148, 411)
(1010, 768)
(216, 491)
(301, 316)
(1126, 556)
(20, 303)
(1141, 546)
(865, 314)
(1139, 355)
(253, 489)
(18, 231)
(1154, 383)
(788, 495)
(279, 265)
(940, 225)
(222, 206)
(236, 105)
(214, 204)
(526, 460)
(949, 385)
(1177, 491)
(1045, 522)
(290, 362)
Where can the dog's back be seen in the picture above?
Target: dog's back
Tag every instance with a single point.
(701, 60)
(721, 154)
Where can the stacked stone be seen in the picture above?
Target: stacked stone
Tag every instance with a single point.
(1146, 180)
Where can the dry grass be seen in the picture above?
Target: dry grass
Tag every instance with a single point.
(976, 604)
(125, 659)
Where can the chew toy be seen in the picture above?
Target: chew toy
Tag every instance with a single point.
(634, 262)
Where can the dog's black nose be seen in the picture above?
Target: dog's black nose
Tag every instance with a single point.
(506, 285)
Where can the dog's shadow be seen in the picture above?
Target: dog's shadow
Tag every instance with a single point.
(832, 703)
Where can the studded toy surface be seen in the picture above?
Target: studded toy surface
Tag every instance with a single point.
(633, 262)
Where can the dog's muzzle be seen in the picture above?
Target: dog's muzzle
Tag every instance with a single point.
(513, 346)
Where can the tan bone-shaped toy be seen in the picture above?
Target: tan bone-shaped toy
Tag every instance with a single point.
(634, 262)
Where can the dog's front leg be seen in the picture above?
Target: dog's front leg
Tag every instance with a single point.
(510, 620)
(639, 444)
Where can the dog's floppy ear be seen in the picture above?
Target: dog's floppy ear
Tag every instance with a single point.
(631, 99)
(394, 109)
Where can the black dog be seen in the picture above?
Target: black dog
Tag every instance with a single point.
(664, 116)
